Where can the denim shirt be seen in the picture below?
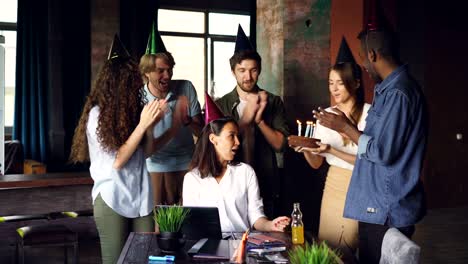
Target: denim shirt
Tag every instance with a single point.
(385, 187)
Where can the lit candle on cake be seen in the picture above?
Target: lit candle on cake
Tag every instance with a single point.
(313, 130)
(307, 128)
(299, 127)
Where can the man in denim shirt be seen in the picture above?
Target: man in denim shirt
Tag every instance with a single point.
(385, 189)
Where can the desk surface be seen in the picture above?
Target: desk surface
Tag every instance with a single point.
(141, 245)
(45, 180)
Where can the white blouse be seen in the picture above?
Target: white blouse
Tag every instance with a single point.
(128, 190)
(237, 196)
(335, 140)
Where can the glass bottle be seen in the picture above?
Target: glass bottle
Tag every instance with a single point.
(297, 226)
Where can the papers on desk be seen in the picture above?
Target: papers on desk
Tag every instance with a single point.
(277, 258)
(265, 240)
(266, 247)
(261, 244)
(265, 250)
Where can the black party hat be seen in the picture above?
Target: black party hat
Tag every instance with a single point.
(117, 49)
(242, 42)
(344, 54)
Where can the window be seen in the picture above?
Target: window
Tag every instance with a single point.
(202, 43)
(10, 69)
(8, 14)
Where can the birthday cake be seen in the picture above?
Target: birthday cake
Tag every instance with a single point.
(307, 142)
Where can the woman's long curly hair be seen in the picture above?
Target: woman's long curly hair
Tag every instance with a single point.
(118, 93)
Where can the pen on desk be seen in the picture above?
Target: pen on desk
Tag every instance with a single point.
(162, 258)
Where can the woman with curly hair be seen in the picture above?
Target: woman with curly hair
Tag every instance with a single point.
(114, 134)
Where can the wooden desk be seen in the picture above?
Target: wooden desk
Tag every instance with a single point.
(141, 245)
(45, 193)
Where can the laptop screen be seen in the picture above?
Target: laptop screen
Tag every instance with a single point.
(201, 222)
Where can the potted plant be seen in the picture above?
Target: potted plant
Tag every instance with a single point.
(169, 219)
(314, 254)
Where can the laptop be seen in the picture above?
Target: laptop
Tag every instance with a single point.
(214, 249)
(201, 222)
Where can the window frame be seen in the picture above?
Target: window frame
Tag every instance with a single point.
(209, 60)
(8, 26)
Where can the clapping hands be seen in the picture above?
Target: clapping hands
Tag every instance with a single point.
(181, 115)
(263, 100)
(337, 120)
(152, 113)
(256, 104)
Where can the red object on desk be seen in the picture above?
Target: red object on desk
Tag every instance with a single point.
(239, 255)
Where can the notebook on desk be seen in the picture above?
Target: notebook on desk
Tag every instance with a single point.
(263, 240)
(201, 222)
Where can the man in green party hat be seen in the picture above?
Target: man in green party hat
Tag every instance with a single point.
(262, 120)
(173, 135)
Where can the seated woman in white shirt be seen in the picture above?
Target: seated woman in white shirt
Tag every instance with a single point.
(218, 181)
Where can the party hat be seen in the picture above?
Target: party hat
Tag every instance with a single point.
(376, 19)
(212, 111)
(155, 43)
(344, 54)
(372, 17)
(117, 49)
(242, 42)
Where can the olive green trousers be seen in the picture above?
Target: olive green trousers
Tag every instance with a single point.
(114, 229)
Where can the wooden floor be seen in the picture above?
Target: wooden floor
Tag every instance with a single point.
(442, 235)
(89, 253)
(89, 249)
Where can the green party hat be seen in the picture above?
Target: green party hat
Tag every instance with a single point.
(155, 43)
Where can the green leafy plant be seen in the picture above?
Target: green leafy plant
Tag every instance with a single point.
(170, 218)
(314, 254)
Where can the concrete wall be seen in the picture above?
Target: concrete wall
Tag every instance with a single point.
(105, 22)
(293, 38)
(347, 21)
(270, 44)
